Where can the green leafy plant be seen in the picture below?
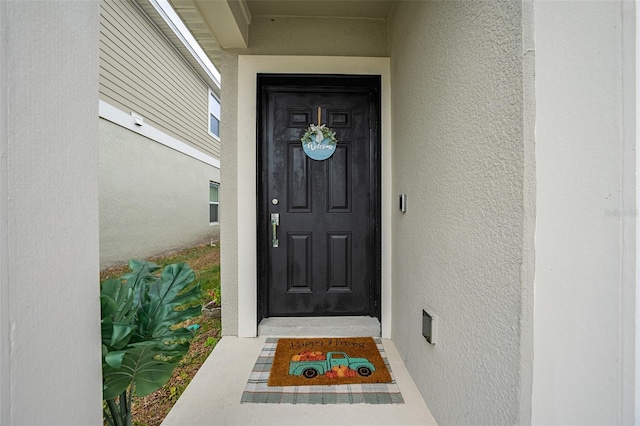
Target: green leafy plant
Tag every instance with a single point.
(142, 341)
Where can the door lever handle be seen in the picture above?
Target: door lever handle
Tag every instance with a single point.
(275, 222)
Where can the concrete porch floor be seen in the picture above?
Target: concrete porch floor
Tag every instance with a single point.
(213, 397)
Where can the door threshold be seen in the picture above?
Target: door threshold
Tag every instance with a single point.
(320, 327)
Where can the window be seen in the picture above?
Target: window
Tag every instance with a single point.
(214, 115)
(213, 202)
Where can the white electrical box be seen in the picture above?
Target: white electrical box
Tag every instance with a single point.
(138, 120)
(403, 203)
(429, 327)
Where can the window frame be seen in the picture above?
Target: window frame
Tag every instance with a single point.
(210, 113)
(217, 202)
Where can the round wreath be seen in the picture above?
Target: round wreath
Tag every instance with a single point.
(321, 132)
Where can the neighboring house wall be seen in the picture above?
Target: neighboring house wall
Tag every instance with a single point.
(585, 286)
(459, 152)
(272, 37)
(50, 371)
(152, 198)
(141, 71)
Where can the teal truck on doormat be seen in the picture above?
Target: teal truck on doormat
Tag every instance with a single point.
(331, 365)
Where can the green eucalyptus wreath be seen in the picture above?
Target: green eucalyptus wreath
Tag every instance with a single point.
(322, 132)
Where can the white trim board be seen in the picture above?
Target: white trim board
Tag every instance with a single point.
(248, 68)
(121, 118)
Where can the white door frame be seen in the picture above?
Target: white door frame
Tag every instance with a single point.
(248, 68)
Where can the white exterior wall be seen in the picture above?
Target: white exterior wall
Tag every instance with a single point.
(461, 153)
(152, 198)
(584, 362)
(229, 262)
(50, 370)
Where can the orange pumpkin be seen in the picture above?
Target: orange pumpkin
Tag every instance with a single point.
(331, 374)
(342, 371)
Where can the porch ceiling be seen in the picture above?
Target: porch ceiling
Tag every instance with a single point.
(221, 24)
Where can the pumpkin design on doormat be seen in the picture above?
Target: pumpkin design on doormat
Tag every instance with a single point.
(327, 361)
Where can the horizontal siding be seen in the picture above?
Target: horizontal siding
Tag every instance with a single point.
(140, 71)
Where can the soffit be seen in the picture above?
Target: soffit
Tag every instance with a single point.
(152, 14)
(190, 15)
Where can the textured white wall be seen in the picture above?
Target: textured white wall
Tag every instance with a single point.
(584, 301)
(229, 194)
(49, 307)
(459, 153)
(317, 36)
(152, 198)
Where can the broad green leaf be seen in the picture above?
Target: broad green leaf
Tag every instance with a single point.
(159, 313)
(141, 271)
(114, 359)
(118, 313)
(118, 293)
(188, 296)
(137, 265)
(141, 345)
(142, 274)
(174, 278)
(140, 368)
(108, 306)
(171, 353)
(120, 334)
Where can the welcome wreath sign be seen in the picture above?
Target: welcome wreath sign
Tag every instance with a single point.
(319, 142)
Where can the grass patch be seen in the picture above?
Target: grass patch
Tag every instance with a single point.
(205, 262)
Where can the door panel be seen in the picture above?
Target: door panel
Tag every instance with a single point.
(298, 179)
(339, 262)
(299, 262)
(325, 262)
(339, 181)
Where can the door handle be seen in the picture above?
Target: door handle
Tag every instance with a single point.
(275, 222)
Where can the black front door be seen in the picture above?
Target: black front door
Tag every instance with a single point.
(319, 219)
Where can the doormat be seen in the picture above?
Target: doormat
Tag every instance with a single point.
(327, 361)
(258, 391)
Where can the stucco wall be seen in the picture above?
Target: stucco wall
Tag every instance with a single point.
(317, 36)
(152, 198)
(459, 153)
(342, 37)
(49, 307)
(229, 194)
(584, 302)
